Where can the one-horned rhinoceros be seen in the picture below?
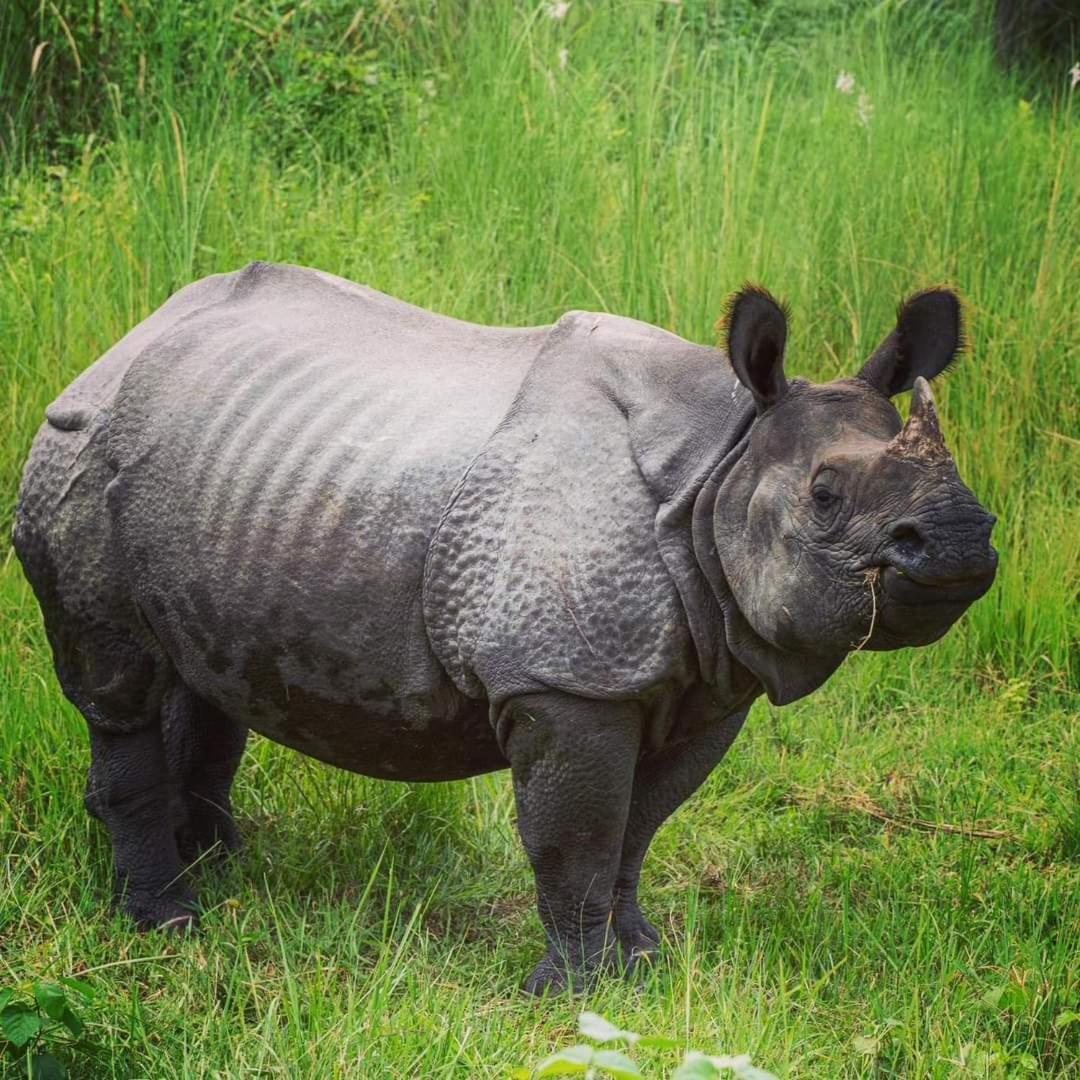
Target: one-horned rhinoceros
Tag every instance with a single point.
(422, 549)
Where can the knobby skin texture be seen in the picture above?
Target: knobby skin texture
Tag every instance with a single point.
(421, 549)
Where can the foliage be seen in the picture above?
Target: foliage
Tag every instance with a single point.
(306, 76)
(593, 1063)
(36, 1019)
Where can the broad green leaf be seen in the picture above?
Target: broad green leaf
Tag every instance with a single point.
(51, 998)
(658, 1042)
(1010, 995)
(594, 1026)
(695, 1067)
(20, 1024)
(866, 1044)
(727, 1061)
(80, 987)
(616, 1063)
(72, 1023)
(9, 992)
(46, 1067)
(1064, 1019)
(573, 1061)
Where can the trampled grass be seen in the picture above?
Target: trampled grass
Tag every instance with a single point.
(816, 913)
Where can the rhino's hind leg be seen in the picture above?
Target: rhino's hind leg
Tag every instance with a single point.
(573, 767)
(203, 748)
(117, 684)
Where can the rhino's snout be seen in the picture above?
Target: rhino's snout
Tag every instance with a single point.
(926, 564)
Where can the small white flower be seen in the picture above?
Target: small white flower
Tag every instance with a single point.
(428, 86)
(865, 109)
(1074, 75)
(564, 59)
(559, 10)
(845, 82)
(372, 78)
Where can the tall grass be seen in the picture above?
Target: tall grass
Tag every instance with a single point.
(648, 170)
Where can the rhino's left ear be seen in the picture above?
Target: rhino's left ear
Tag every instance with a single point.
(929, 335)
(756, 333)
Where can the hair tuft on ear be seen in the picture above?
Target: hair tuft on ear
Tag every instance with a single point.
(753, 329)
(748, 288)
(943, 289)
(927, 340)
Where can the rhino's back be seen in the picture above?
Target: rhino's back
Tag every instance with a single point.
(282, 459)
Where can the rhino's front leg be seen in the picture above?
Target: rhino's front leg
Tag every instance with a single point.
(662, 783)
(573, 767)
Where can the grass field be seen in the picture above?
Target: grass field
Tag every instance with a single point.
(826, 902)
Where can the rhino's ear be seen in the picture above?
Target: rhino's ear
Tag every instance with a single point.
(756, 332)
(929, 335)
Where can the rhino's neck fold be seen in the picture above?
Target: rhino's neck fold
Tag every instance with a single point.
(785, 676)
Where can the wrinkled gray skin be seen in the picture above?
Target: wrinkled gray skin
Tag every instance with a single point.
(421, 550)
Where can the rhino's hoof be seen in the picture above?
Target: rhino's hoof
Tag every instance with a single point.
(215, 841)
(173, 915)
(639, 942)
(642, 936)
(547, 980)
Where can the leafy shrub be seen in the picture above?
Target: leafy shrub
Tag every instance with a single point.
(594, 1062)
(37, 1018)
(300, 74)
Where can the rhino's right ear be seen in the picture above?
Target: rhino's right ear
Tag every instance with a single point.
(756, 333)
(928, 337)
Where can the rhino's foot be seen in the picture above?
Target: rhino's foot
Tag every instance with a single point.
(549, 978)
(213, 835)
(174, 913)
(639, 940)
(556, 975)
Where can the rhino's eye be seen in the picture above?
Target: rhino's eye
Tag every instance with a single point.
(823, 497)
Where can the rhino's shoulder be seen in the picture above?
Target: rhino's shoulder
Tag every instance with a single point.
(545, 570)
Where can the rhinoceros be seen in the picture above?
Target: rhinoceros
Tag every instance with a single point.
(422, 549)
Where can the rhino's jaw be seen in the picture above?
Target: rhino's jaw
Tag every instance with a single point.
(919, 610)
(913, 590)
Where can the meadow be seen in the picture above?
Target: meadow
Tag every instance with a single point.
(880, 880)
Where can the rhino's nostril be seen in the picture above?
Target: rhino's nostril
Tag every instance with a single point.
(906, 531)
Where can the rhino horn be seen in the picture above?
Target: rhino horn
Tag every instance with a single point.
(921, 436)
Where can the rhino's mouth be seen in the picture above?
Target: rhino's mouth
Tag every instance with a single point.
(906, 587)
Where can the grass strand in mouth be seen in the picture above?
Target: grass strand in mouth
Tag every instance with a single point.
(871, 576)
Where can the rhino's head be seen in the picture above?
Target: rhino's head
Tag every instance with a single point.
(840, 526)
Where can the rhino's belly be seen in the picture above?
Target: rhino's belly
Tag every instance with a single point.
(371, 729)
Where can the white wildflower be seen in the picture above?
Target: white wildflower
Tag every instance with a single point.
(428, 86)
(558, 10)
(372, 78)
(865, 109)
(1074, 75)
(564, 59)
(845, 82)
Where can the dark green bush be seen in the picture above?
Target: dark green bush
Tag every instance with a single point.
(300, 73)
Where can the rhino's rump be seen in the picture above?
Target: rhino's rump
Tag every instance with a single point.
(282, 459)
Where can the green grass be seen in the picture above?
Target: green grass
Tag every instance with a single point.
(375, 929)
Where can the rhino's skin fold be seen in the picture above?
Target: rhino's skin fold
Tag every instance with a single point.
(422, 549)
